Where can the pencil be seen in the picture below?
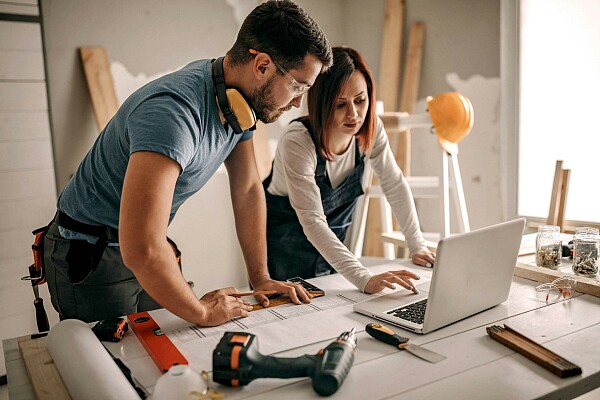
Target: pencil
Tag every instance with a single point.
(254, 293)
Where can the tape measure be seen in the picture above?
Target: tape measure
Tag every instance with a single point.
(284, 300)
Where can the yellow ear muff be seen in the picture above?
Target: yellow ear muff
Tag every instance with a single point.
(452, 117)
(243, 112)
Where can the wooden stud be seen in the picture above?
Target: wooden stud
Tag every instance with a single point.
(100, 84)
(410, 90)
(410, 96)
(564, 190)
(555, 195)
(43, 374)
(387, 91)
(558, 197)
(391, 53)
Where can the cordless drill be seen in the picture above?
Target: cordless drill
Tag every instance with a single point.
(237, 361)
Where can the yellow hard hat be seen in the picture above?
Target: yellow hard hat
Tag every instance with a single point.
(452, 117)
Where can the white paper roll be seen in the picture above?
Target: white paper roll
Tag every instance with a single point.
(85, 366)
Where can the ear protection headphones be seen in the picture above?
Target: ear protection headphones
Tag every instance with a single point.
(235, 108)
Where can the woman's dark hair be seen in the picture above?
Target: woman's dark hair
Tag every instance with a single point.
(324, 94)
(285, 32)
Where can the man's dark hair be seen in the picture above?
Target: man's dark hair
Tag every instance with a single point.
(283, 30)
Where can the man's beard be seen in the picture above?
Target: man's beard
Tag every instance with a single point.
(263, 105)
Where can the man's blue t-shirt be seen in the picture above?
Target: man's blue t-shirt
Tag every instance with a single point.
(175, 115)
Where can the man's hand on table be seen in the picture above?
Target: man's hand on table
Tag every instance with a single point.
(296, 292)
(220, 307)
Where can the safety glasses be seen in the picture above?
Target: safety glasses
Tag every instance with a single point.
(296, 88)
(559, 289)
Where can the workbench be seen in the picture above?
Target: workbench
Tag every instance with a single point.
(477, 367)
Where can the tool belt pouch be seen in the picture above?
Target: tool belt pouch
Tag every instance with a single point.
(83, 257)
(37, 272)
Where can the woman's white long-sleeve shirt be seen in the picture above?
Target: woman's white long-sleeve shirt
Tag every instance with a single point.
(294, 176)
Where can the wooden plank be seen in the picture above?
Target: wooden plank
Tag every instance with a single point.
(564, 191)
(555, 194)
(545, 275)
(410, 94)
(412, 69)
(44, 376)
(391, 53)
(410, 90)
(100, 84)
(20, 388)
(387, 91)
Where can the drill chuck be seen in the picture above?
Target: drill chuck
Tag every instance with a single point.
(335, 364)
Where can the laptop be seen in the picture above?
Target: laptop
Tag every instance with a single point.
(473, 272)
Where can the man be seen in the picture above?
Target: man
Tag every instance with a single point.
(164, 143)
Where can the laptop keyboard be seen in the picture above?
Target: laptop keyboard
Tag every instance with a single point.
(414, 312)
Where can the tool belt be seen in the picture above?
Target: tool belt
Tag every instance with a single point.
(80, 253)
(105, 235)
(37, 272)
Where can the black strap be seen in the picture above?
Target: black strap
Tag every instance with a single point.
(219, 83)
(321, 170)
(103, 232)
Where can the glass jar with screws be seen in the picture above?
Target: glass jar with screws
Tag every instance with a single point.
(548, 247)
(586, 248)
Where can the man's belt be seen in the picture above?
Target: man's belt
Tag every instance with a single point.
(104, 232)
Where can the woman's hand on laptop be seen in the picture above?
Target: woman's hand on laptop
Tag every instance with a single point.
(424, 258)
(389, 279)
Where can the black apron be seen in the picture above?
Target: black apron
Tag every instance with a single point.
(290, 254)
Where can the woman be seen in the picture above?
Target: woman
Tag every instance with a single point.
(317, 178)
